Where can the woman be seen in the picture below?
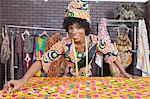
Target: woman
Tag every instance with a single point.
(78, 49)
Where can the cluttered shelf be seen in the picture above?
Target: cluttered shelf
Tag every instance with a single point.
(81, 87)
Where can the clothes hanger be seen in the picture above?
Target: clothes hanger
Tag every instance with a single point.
(26, 32)
(123, 26)
(3, 33)
(18, 31)
(6, 30)
(34, 31)
(44, 33)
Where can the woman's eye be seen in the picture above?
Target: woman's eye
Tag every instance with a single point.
(70, 28)
(79, 27)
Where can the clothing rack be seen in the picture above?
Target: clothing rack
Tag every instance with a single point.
(111, 23)
(135, 26)
(111, 20)
(115, 23)
(12, 43)
(35, 28)
(125, 21)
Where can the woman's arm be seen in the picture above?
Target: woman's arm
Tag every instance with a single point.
(124, 73)
(35, 67)
(14, 85)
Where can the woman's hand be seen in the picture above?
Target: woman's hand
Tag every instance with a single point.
(127, 75)
(13, 85)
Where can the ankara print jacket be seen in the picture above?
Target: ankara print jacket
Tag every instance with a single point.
(64, 48)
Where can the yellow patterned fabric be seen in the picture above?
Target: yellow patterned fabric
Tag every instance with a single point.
(82, 88)
(78, 9)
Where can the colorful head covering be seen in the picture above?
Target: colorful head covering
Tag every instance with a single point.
(78, 9)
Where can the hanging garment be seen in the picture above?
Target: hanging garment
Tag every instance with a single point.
(124, 48)
(39, 47)
(1, 39)
(39, 50)
(28, 44)
(28, 49)
(1, 64)
(1, 67)
(143, 61)
(18, 55)
(5, 50)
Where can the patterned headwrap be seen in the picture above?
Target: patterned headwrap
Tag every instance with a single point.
(78, 9)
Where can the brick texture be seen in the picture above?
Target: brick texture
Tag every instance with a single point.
(49, 14)
(0, 13)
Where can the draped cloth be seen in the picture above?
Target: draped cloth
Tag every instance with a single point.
(143, 62)
(5, 50)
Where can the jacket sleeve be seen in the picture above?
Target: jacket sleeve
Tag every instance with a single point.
(107, 48)
(55, 52)
(104, 44)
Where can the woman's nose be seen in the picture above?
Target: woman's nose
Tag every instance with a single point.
(74, 31)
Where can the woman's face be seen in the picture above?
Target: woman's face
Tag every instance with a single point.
(77, 32)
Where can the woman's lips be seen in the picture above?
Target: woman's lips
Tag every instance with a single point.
(76, 36)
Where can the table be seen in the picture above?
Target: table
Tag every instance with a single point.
(83, 88)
